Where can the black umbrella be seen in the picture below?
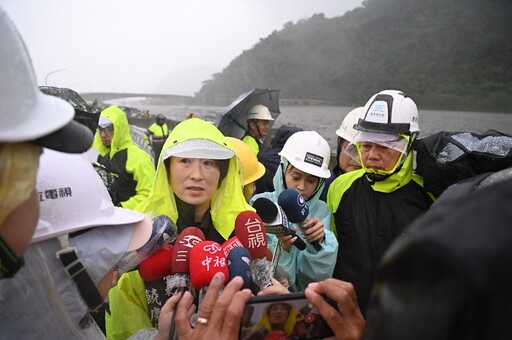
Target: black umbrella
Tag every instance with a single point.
(85, 113)
(232, 120)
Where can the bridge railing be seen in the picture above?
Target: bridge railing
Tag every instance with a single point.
(138, 137)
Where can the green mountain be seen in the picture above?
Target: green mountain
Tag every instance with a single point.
(445, 54)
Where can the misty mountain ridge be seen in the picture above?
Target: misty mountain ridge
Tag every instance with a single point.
(445, 54)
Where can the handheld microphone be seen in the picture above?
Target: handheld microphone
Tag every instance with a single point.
(250, 230)
(180, 280)
(187, 239)
(154, 271)
(158, 265)
(228, 245)
(275, 220)
(296, 208)
(207, 259)
(164, 232)
(239, 261)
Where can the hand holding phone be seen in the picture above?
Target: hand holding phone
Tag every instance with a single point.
(287, 316)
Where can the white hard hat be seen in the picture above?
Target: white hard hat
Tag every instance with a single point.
(346, 130)
(72, 197)
(308, 152)
(26, 114)
(390, 112)
(260, 112)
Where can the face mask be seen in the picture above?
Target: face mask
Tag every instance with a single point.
(10, 264)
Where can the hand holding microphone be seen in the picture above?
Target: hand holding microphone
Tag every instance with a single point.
(275, 220)
(296, 208)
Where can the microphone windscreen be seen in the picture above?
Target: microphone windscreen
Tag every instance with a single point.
(294, 205)
(228, 245)
(186, 240)
(158, 265)
(206, 259)
(266, 209)
(239, 264)
(250, 231)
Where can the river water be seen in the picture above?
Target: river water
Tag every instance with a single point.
(326, 119)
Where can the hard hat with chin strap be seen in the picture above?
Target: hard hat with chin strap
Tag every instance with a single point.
(259, 112)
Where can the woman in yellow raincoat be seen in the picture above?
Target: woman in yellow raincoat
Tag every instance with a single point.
(198, 183)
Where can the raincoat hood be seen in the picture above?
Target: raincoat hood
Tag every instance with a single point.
(122, 137)
(227, 201)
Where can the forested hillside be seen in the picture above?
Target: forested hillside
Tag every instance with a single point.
(445, 54)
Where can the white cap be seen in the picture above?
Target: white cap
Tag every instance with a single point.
(199, 148)
(104, 122)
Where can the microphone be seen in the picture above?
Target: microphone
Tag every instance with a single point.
(276, 221)
(154, 271)
(187, 239)
(239, 261)
(296, 208)
(207, 259)
(180, 280)
(228, 245)
(250, 230)
(164, 232)
(158, 265)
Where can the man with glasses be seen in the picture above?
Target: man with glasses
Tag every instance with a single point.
(131, 166)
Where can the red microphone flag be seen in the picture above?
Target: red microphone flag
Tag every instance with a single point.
(206, 259)
(158, 265)
(186, 240)
(250, 230)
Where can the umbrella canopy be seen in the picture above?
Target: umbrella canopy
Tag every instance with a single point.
(85, 113)
(232, 120)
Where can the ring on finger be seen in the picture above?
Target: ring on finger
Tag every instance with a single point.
(201, 321)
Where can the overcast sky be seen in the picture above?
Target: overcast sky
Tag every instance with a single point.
(131, 45)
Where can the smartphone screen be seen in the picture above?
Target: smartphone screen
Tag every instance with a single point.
(288, 316)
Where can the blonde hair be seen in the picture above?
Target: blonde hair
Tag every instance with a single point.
(18, 171)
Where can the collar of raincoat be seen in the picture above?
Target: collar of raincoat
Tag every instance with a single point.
(228, 200)
(122, 137)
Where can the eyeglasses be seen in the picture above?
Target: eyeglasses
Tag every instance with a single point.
(109, 128)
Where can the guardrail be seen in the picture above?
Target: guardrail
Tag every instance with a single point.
(138, 137)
